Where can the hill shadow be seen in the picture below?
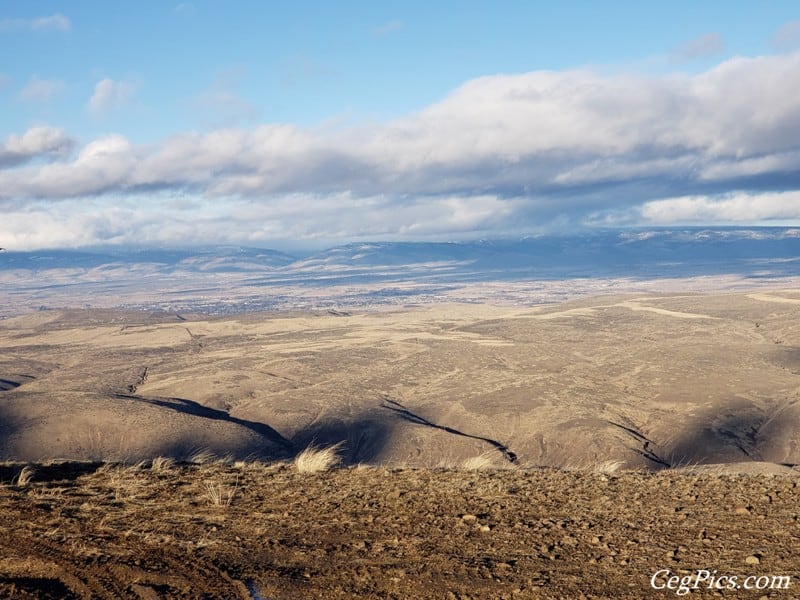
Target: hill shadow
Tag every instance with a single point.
(61, 471)
(362, 438)
(739, 432)
(190, 407)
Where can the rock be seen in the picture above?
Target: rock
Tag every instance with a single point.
(752, 560)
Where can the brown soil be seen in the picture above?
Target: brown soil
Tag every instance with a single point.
(253, 530)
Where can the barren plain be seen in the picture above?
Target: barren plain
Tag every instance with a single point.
(647, 381)
(488, 451)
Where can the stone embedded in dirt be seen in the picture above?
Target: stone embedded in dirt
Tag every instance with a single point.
(752, 560)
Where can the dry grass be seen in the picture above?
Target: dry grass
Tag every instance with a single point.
(160, 464)
(221, 494)
(202, 457)
(481, 462)
(125, 481)
(608, 467)
(25, 476)
(316, 460)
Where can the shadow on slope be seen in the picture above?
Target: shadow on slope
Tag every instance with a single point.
(190, 407)
(740, 432)
(362, 438)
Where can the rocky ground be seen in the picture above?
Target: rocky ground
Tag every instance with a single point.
(255, 530)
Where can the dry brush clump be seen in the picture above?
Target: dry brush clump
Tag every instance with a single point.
(221, 494)
(25, 476)
(161, 464)
(315, 460)
(203, 456)
(481, 462)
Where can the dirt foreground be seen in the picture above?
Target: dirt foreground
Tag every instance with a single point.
(266, 531)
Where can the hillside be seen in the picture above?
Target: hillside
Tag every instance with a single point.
(647, 381)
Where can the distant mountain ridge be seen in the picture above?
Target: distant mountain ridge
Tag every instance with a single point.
(536, 269)
(672, 252)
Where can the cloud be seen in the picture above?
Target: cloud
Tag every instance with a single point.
(498, 154)
(731, 208)
(41, 90)
(150, 219)
(787, 38)
(54, 22)
(38, 142)
(110, 95)
(704, 46)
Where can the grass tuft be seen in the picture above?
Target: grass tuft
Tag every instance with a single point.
(220, 494)
(482, 462)
(160, 464)
(25, 476)
(202, 457)
(608, 467)
(316, 460)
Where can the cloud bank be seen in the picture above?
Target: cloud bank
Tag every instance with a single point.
(500, 154)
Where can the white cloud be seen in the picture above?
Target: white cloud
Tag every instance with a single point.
(499, 153)
(730, 208)
(156, 219)
(41, 90)
(787, 38)
(37, 142)
(54, 22)
(110, 95)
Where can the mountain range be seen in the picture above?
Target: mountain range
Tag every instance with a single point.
(63, 277)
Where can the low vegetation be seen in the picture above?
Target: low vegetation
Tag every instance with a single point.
(251, 529)
(316, 460)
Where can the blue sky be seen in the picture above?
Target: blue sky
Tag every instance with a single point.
(311, 123)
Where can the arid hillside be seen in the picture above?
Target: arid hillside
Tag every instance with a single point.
(642, 381)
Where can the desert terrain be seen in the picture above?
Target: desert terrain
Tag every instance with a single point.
(555, 451)
(647, 381)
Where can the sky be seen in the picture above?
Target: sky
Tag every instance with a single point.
(313, 123)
